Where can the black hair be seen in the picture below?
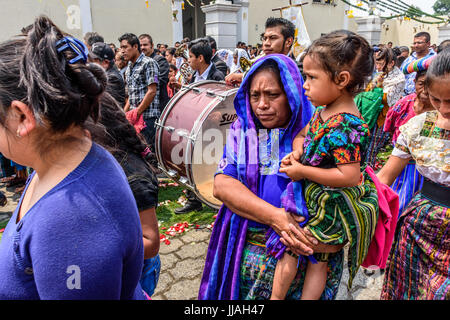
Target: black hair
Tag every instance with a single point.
(439, 67)
(343, 50)
(171, 50)
(396, 51)
(400, 60)
(287, 27)
(114, 132)
(94, 38)
(424, 34)
(132, 40)
(201, 47)
(272, 66)
(149, 37)
(387, 55)
(173, 67)
(212, 42)
(32, 71)
(444, 44)
(420, 73)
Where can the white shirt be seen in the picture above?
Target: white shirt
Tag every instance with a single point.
(204, 75)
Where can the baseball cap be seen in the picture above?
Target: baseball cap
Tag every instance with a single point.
(102, 51)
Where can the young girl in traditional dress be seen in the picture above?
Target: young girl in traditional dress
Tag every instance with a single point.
(419, 261)
(341, 201)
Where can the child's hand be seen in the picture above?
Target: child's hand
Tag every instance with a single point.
(294, 169)
(286, 161)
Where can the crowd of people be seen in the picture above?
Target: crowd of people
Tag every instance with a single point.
(78, 140)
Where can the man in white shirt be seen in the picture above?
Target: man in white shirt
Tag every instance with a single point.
(200, 54)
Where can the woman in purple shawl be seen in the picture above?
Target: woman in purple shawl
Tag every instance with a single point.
(272, 109)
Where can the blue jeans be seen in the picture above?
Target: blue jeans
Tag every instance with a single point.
(150, 274)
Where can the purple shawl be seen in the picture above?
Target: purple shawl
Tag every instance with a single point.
(220, 280)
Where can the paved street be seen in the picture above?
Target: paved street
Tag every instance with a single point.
(183, 259)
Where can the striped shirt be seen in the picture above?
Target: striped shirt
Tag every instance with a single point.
(139, 76)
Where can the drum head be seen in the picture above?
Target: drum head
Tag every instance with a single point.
(208, 148)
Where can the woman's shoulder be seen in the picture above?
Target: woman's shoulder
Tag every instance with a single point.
(414, 125)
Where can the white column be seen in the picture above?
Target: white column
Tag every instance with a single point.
(370, 28)
(177, 25)
(444, 33)
(242, 21)
(86, 16)
(221, 23)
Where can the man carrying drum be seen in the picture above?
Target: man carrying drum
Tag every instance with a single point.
(200, 54)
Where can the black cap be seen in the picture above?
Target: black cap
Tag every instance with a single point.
(102, 51)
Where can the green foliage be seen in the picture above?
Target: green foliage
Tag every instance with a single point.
(169, 195)
(442, 7)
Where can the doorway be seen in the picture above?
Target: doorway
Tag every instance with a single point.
(194, 19)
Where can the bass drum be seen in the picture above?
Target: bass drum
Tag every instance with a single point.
(191, 134)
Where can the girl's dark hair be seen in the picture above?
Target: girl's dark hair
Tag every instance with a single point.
(420, 73)
(439, 67)
(115, 133)
(34, 72)
(387, 55)
(343, 50)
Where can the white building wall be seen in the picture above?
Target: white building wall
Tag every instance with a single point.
(110, 18)
(319, 18)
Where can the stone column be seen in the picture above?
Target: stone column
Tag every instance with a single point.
(177, 25)
(221, 23)
(444, 33)
(370, 28)
(242, 21)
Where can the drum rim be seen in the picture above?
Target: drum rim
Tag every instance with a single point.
(196, 127)
(165, 113)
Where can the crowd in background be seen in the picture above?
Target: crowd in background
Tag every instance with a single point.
(112, 98)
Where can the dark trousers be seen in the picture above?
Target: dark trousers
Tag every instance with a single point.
(149, 132)
(192, 198)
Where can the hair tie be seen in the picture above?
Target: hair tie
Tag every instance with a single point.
(78, 47)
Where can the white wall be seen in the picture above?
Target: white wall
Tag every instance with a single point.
(318, 18)
(110, 18)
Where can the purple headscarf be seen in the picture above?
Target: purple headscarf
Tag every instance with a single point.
(220, 279)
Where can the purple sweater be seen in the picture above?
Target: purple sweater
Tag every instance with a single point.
(81, 240)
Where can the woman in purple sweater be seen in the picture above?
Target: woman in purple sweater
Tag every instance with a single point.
(75, 233)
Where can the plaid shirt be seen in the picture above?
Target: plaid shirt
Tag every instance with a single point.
(138, 77)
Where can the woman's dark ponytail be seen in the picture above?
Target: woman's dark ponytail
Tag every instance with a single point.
(60, 93)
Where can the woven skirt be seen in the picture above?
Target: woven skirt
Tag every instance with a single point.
(341, 215)
(419, 261)
(258, 269)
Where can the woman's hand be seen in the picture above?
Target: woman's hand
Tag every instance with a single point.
(299, 240)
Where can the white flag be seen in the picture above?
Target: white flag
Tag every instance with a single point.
(301, 39)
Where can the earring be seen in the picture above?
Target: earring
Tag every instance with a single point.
(18, 133)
